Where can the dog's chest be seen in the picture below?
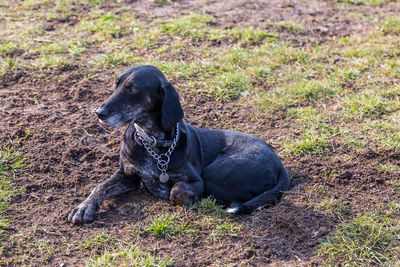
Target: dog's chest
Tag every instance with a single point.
(145, 167)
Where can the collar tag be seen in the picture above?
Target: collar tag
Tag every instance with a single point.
(137, 139)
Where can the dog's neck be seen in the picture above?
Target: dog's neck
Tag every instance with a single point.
(151, 125)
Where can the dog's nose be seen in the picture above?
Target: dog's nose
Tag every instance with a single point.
(102, 113)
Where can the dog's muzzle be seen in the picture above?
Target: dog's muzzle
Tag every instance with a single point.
(102, 113)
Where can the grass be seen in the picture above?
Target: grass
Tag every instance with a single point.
(167, 225)
(290, 26)
(391, 25)
(370, 239)
(112, 251)
(101, 240)
(364, 2)
(208, 206)
(10, 162)
(128, 256)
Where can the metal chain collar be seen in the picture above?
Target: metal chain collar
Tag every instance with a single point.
(164, 158)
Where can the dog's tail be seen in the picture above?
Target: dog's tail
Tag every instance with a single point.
(265, 199)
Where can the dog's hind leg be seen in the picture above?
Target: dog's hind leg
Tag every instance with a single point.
(117, 184)
(265, 199)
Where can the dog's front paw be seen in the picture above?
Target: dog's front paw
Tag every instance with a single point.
(181, 194)
(84, 213)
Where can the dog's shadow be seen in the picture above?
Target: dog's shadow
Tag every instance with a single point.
(288, 231)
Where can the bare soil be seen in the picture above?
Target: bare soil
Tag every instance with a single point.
(69, 152)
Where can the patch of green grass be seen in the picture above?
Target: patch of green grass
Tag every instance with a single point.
(290, 26)
(333, 206)
(108, 25)
(35, 4)
(10, 162)
(391, 25)
(96, 2)
(310, 143)
(370, 239)
(10, 48)
(313, 90)
(194, 26)
(368, 104)
(198, 27)
(116, 57)
(167, 225)
(231, 85)
(128, 256)
(51, 62)
(364, 2)
(313, 134)
(50, 48)
(102, 241)
(227, 227)
(164, 2)
(208, 206)
(248, 36)
(78, 48)
(10, 65)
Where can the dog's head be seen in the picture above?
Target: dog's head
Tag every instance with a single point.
(140, 91)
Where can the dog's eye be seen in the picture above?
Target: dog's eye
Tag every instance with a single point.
(129, 86)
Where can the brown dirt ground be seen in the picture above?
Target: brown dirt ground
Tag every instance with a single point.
(69, 152)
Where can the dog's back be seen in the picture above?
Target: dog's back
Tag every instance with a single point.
(240, 169)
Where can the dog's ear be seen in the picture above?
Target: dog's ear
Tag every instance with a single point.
(171, 107)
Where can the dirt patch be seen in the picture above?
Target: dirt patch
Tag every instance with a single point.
(321, 20)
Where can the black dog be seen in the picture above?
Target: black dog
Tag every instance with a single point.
(177, 161)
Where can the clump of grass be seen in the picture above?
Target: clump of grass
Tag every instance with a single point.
(208, 206)
(290, 26)
(167, 225)
(231, 85)
(164, 2)
(368, 104)
(363, 2)
(100, 241)
(10, 161)
(308, 145)
(371, 239)
(78, 48)
(9, 65)
(51, 62)
(334, 206)
(194, 26)
(96, 2)
(248, 36)
(391, 25)
(107, 25)
(313, 90)
(117, 58)
(128, 256)
(10, 48)
(314, 133)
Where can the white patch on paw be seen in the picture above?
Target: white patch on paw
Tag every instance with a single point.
(232, 210)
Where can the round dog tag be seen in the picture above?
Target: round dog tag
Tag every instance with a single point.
(164, 177)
